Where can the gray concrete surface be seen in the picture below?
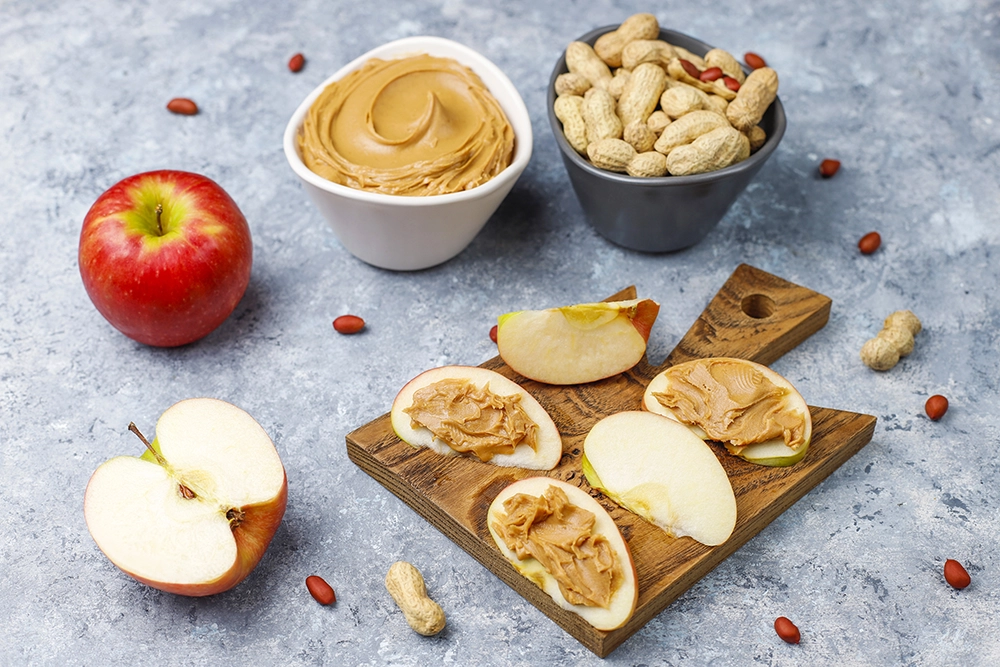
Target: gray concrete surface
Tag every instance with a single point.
(905, 94)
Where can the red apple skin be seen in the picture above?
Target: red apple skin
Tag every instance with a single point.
(253, 536)
(170, 289)
(643, 317)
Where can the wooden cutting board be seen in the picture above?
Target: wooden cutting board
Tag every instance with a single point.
(755, 316)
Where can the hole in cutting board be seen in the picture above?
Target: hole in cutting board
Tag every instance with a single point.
(758, 306)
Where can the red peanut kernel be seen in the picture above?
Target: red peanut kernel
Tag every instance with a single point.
(753, 60)
(828, 167)
(493, 333)
(787, 630)
(297, 62)
(869, 243)
(936, 406)
(711, 74)
(321, 591)
(956, 575)
(182, 106)
(348, 324)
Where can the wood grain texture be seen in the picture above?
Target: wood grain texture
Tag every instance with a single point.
(755, 316)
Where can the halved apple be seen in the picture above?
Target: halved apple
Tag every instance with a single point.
(196, 512)
(548, 443)
(658, 469)
(576, 344)
(737, 394)
(623, 598)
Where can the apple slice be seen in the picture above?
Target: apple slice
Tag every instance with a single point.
(576, 344)
(758, 414)
(544, 455)
(623, 598)
(193, 515)
(661, 471)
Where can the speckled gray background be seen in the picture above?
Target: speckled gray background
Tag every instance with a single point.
(904, 93)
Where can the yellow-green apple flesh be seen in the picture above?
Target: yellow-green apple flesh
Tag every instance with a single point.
(196, 512)
(658, 469)
(623, 600)
(544, 456)
(576, 344)
(165, 256)
(772, 452)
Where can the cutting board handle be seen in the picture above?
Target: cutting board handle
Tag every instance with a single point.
(756, 316)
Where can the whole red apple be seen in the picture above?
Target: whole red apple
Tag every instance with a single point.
(165, 256)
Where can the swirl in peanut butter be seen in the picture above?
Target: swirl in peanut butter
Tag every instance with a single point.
(420, 125)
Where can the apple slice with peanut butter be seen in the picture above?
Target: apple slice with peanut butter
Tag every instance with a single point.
(476, 412)
(756, 413)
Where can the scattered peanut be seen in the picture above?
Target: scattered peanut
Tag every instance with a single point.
(348, 324)
(406, 586)
(571, 83)
(753, 60)
(753, 99)
(956, 575)
(599, 116)
(869, 243)
(936, 406)
(610, 45)
(493, 333)
(641, 93)
(611, 154)
(895, 340)
(787, 630)
(660, 96)
(569, 110)
(647, 164)
(711, 151)
(581, 59)
(321, 591)
(182, 106)
(687, 128)
(827, 168)
(296, 62)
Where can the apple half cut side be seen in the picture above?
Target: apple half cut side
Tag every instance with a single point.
(623, 599)
(576, 344)
(773, 452)
(548, 446)
(658, 469)
(196, 513)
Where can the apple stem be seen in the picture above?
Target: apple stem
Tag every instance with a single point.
(185, 491)
(159, 223)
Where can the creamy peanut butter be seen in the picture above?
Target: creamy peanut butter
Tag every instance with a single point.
(732, 402)
(470, 419)
(559, 535)
(420, 125)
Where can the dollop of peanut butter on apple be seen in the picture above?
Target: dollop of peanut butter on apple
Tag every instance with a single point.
(473, 419)
(419, 125)
(732, 402)
(559, 535)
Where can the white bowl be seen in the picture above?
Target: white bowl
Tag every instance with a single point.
(406, 233)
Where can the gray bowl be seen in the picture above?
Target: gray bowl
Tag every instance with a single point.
(666, 213)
